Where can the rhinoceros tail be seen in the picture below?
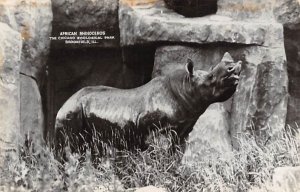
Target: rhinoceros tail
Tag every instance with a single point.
(59, 140)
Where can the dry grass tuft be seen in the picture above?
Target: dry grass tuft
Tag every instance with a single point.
(249, 168)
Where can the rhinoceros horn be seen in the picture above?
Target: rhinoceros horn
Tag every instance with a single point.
(227, 58)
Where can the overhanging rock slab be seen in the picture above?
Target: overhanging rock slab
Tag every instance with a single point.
(155, 23)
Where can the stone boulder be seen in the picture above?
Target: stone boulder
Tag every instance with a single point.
(212, 133)
(147, 189)
(151, 189)
(10, 55)
(86, 15)
(32, 19)
(287, 179)
(287, 12)
(260, 102)
(32, 115)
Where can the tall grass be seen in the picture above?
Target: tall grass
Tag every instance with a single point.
(40, 171)
(250, 167)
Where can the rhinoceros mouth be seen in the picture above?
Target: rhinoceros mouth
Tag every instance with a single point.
(234, 79)
(233, 76)
(231, 81)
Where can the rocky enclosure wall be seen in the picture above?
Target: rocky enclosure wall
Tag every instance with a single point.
(10, 54)
(288, 13)
(264, 35)
(25, 29)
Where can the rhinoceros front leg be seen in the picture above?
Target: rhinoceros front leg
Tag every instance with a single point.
(181, 136)
(60, 141)
(70, 133)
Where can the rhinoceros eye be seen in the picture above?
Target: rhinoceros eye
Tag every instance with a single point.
(230, 69)
(210, 76)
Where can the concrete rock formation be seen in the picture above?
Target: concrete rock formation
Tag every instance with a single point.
(287, 179)
(10, 55)
(213, 125)
(151, 189)
(32, 114)
(287, 12)
(32, 19)
(139, 26)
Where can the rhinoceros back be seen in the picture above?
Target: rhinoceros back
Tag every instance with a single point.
(73, 106)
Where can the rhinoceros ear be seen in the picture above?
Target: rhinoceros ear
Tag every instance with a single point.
(227, 58)
(189, 67)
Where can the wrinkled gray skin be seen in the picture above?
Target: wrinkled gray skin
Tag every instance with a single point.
(124, 118)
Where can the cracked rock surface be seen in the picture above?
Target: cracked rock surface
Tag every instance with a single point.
(10, 51)
(156, 23)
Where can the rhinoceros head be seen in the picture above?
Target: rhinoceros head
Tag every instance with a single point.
(220, 83)
(224, 78)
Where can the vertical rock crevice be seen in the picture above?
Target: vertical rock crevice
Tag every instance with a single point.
(287, 12)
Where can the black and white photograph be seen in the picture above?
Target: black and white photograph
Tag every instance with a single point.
(149, 95)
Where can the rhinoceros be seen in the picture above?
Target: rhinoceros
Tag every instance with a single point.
(124, 118)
